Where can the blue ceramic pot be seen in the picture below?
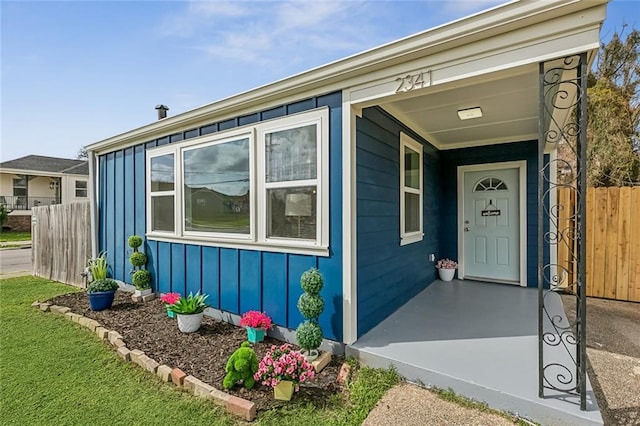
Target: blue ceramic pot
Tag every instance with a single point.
(101, 300)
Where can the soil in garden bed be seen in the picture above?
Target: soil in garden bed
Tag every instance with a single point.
(202, 354)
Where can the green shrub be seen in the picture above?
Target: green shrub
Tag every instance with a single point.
(311, 281)
(310, 305)
(190, 304)
(309, 335)
(138, 259)
(142, 279)
(99, 267)
(103, 284)
(4, 215)
(134, 241)
(241, 366)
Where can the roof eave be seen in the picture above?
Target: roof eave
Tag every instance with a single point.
(335, 75)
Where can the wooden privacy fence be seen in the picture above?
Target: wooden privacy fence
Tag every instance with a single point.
(61, 240)
(613, 241)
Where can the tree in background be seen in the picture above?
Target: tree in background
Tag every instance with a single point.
(613, 132)
(82, 153)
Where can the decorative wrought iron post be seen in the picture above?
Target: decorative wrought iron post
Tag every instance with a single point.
(562, 224)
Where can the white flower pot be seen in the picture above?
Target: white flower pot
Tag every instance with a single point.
(311, 355)
(446, 274)
(189, 323)
(144, 292)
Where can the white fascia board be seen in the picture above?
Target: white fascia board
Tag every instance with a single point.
(547, 40)
(336, 75)
(32, 173)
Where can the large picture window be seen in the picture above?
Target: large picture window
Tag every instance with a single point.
(410, 190)
(213, 189)
(217, 188)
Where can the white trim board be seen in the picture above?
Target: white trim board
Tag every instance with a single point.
(522, 177)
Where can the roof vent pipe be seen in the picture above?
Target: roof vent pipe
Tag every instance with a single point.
(162, 111)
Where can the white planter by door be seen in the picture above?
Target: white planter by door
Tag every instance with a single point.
(446, 274)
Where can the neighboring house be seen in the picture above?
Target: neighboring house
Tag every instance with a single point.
(37, 180)
(364, 168)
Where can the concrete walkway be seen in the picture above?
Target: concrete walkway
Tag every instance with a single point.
(8, 245)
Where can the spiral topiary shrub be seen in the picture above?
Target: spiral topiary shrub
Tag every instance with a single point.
(141, 277)
(310, 304)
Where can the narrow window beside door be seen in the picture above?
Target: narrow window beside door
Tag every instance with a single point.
(410, 190)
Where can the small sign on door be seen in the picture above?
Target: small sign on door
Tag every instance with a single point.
(492, 212)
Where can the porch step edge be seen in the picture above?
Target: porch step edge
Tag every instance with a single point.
(516, 405)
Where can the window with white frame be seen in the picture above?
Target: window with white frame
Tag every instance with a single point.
(81, 188)
(217, 184)
(291, 181)
(213, 189)
(410, 190)
(162, 177)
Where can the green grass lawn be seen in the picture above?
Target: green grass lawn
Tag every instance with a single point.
(6, 236)
(55, 372)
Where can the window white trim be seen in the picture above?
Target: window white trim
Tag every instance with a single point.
(151, 154)
(321, 120)
(410, 237)
(229, 137)
(257, 239)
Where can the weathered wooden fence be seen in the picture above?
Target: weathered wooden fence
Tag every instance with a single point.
(613, 241)
(61, 240)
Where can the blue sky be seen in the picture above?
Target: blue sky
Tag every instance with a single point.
(76, 72)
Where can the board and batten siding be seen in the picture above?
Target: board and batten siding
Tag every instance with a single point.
(453, 158)
(236, 280)
(390, 274)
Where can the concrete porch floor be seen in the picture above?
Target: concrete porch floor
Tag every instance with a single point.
(480, 340)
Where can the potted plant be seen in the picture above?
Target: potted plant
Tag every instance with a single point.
(190, 311)
(446, 269)
(310, 304)
(283, 368)
(256, 323)
(98, 267)
(170, 299)
(141, 278)
(101, 293)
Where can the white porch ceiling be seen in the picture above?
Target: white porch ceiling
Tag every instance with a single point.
(509, 103)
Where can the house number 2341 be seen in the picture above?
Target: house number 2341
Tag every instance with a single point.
(410, 82)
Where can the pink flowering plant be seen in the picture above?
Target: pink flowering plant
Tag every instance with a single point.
(284, 363)
(170, 298)
(255, 319)
(446, 264)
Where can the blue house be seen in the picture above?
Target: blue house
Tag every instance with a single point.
(369, 168)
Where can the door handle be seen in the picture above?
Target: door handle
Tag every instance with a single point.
(466, 229)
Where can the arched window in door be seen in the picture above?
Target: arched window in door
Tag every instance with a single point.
(490, 184)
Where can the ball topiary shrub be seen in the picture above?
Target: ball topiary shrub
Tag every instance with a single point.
(134, 242)
(310, 304)
(309, 335)
(138, 259)
(141, 278)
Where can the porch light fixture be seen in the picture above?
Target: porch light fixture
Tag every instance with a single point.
(469, 113)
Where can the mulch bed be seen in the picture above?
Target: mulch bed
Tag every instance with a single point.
(202, 354)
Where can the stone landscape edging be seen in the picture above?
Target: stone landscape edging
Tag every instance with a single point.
(232, 404)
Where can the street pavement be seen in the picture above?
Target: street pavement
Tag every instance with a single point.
(15, 262)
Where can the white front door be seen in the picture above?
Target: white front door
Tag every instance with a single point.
(491, 225)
